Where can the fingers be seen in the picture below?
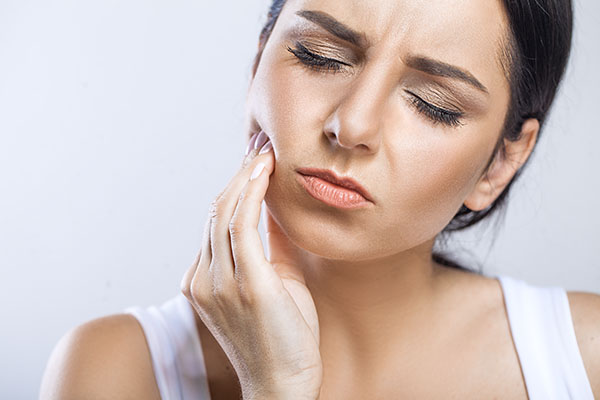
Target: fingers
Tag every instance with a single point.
(246, 244)
(222, 263)
(186, 281)
(213, 271)
(201, 263)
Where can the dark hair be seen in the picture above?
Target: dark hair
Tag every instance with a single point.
(534, 55)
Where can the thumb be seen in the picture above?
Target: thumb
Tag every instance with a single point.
(284, 255)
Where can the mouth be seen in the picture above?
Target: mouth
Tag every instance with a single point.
(334, 190)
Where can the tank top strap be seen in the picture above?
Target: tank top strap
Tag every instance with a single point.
(175, 349)
(542, 329)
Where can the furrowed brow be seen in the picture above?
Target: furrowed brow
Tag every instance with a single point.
(439, 68)
(421, 63)
(333, 26)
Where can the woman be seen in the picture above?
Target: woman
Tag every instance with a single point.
(374, 128)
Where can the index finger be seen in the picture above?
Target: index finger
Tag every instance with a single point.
(246, 245)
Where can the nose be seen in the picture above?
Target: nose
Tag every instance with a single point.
(357, 122)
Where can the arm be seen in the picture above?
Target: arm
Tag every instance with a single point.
(106, 358)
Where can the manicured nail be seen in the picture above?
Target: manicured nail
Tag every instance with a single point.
(251, 143)
(260, 140)
(257, 170)
(267, 147)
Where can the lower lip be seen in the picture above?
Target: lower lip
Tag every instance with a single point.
(332, 194)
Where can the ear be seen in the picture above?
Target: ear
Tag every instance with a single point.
(503, 168)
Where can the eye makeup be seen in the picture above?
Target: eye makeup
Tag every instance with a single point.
(434, 113)
(319, 63)
(316, 61)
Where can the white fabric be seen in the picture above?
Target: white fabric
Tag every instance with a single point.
(542, 329)
(540, 322)
(175, 348)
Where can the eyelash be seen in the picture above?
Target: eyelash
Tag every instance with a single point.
(436, 114)
(315, 61)
(319, 63)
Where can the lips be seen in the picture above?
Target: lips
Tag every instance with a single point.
(330, 176)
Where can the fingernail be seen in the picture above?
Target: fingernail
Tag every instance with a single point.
(257, 170)
(260, 140)
(266, 147)
(251, 143)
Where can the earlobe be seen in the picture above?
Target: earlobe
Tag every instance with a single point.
(504, 167)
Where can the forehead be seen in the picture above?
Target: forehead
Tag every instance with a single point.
(466, 33)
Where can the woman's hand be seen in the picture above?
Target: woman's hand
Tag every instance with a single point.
(260, 312)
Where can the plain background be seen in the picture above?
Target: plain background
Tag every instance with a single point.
(120, 121)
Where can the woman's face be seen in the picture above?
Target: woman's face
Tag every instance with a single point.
(410, 104)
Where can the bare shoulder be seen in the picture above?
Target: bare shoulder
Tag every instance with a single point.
(483, 339)
(585, 311)
(104, 358)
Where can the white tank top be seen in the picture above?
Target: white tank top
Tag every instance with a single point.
(540, 322)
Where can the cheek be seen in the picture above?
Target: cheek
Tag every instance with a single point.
(429, 170)
(288, 102)
(434, 173)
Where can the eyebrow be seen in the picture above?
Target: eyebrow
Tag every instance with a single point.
(421, 63)
(333, 26)
(439, 68)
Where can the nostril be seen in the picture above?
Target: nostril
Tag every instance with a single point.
(331, 136)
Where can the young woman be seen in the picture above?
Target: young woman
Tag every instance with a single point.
(373, 128)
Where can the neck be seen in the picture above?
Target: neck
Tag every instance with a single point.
(366, 308)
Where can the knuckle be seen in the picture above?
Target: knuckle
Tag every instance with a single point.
(195, 292)
(235, 227)
(194, 295)
(248, 159)
(213, 210)
(185, 289)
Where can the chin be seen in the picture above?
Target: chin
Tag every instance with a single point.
(322, 235)
(331, 233)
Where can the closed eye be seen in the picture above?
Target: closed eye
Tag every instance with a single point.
(434, 113)
(315, 61)
(320, 63)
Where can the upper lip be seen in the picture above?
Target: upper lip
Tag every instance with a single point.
(344, 181)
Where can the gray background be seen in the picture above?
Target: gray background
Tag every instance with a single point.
(121, 120)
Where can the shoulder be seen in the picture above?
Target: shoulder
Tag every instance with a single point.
(585, 311)
(103, 358)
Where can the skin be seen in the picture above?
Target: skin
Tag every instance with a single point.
(370, 273)
(389, 322)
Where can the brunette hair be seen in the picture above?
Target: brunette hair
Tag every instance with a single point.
(534, 55)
